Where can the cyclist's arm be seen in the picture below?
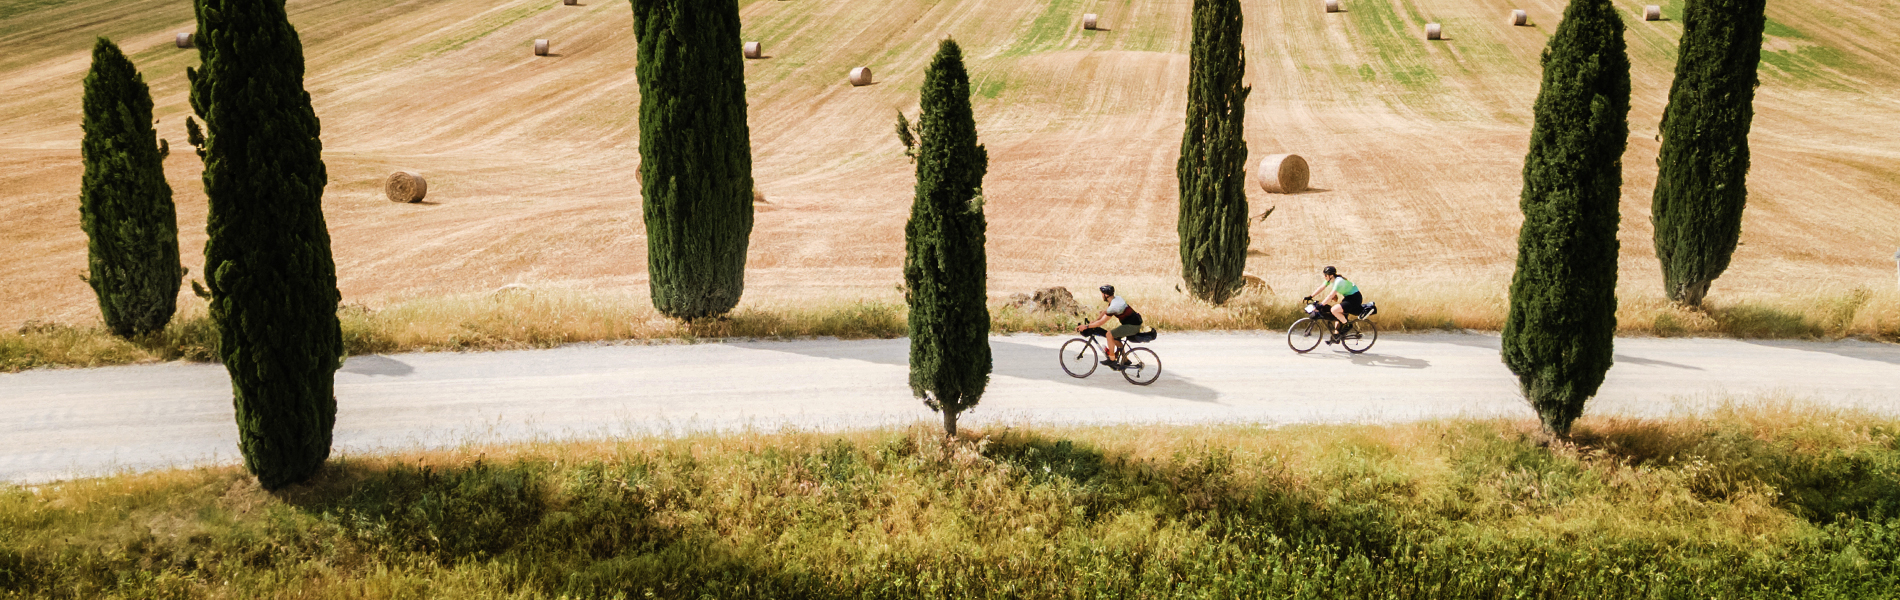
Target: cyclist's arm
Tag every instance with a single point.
(1098, 322)
(1315, 295)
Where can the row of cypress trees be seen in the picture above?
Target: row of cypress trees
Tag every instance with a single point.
(272, 280)
(1559, 336)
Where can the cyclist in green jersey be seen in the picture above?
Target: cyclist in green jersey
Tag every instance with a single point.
(1342, 294)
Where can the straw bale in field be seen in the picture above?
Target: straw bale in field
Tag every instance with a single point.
(406, 186)
(184, 40)
(861, 76)
(1652, 13)
(1055, 300)
(1519, 18)
(754, 50)
(1283, 173)
(1251, 282)
(1434, 31)
(1332, 6)
(540, 47)
(1089, 21)
(571, 2)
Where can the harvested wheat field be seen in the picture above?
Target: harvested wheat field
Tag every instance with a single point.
(1415, 147)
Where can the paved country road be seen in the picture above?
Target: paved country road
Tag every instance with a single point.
(57, 424)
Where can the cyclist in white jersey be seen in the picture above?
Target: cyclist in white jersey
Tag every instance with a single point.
(1126, 315)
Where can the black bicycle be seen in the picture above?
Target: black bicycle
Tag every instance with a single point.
(1140, 366)
(1357, 334)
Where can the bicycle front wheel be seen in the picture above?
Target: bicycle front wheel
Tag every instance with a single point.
(1305, 335)
(1143, 367)
(1361, 338)
(1078, 358)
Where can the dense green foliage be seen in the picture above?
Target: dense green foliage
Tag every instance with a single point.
(125, 205)
(695, 154)
(1213, 167)
(945, 269)
(1702, 168)
(267, 264)
(1562, 324)
(1762, 505)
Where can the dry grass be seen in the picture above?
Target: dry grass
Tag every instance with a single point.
(1765, 499)
(522, 318)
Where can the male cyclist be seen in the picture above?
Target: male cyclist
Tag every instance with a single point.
(1342, 294)
(1129, 319)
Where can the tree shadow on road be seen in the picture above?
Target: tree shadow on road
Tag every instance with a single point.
(1009, 359)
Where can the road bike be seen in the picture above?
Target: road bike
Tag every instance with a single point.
(1140, 366)
(1357, 335)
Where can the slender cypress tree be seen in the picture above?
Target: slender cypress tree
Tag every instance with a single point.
(1213, 166)
(1702, 175)
(267, 263)
(1563, 297)
(125, 206)
(944, 263)
(695, 154)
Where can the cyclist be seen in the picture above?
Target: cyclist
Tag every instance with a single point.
(1126, 315)
(1341, 293)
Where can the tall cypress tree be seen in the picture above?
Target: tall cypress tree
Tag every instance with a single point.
(1562, 323)
(944, 263)
(268, 265)
(125, 206)
(1213, 166)
(1702, 175)
(695, 154)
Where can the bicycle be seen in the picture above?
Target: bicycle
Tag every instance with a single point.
(1357, 334)
(1140, 366)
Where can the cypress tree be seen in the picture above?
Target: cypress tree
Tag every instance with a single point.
(944, 262)
(125, 206)
(1702, 176)
(267, 264)
(695, 154)
(1213, 165)
(1558, 336)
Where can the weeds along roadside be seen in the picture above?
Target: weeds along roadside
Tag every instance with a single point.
(1768, 499)
(545, 318)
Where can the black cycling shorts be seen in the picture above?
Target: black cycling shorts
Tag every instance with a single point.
(1354, 304)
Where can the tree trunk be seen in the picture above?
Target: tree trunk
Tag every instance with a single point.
(949, 423)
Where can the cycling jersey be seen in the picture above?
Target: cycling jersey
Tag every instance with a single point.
(1120, 309)
(1344, 287)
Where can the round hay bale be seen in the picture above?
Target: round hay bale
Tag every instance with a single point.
(184, 40)
(406, 187)
(1089, 21)
(754, 50)
(540, 47)
(1434, 32)
(1652, 13)
(1519, 18)
(1332, 6)
(861, 76)
(571, 2)
(1283, 173)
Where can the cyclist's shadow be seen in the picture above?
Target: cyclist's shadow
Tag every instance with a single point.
(1027, 361)
(1375, 360)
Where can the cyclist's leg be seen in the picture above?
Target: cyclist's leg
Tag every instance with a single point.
(1339, 316)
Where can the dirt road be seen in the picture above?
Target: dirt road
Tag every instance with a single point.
(61, 423)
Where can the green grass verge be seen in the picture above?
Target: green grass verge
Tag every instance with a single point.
(1761, 502)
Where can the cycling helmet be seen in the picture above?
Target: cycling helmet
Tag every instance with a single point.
(1329, 270)
(1108, 289)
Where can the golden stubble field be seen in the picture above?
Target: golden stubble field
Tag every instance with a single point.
(1416, 146)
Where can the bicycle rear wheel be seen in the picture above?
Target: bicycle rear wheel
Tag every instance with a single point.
(1305, 335)
(1078, 358)
(1143, 367)
(1361, 338)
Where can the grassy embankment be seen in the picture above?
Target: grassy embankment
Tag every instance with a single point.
(1769, 501)
(548, 318)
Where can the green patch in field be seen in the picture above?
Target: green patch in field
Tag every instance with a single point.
(990, 86)
(1378, 26)
(1048, 30)
(1782, 30)
(13, 8)
(1810, 64)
